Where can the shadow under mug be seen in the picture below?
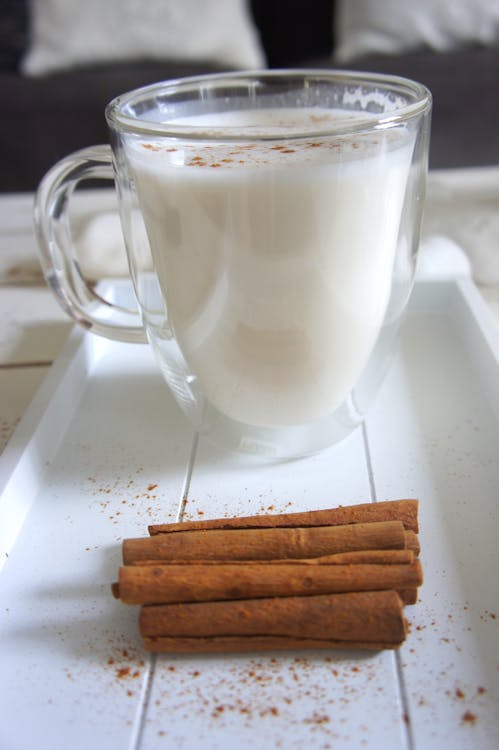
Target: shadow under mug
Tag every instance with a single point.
(271, 221)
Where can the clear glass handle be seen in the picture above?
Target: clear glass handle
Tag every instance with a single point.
(58, 257)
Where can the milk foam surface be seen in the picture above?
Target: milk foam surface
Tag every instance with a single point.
(275, 260)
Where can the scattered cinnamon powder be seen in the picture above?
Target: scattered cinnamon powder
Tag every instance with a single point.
(469, 718)
(317, 719)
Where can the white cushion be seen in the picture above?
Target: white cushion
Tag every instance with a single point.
(396, 26)
(69, 33)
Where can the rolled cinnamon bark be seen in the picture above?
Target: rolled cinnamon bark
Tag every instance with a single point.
(243, 644)
(266, 543)
(172, 583)
(379, 556)
(390, 510)
(412, 542)
(408, 596)
(373, 618)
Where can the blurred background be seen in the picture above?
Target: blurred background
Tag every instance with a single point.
(61, 61)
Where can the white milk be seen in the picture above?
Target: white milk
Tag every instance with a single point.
(275, 262)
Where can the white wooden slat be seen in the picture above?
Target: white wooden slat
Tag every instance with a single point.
(75, 667)
(19, 262)
(301, 699)
(297, 699)
(16, 212)
(36, 439)
(33, 327)
(433, 434)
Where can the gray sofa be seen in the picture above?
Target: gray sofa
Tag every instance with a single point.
(47, 117)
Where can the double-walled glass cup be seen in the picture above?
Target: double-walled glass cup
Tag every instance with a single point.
(271, 222)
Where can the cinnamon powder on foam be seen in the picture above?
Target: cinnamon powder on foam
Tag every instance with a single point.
(259, 154)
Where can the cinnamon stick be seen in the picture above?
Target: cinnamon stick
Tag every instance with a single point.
(171, 583)
(365, 619)
(335, 578)
(243, 644)
(266, 543)
(409, 596)
(412, 542)
(379, 556)
(390, 510)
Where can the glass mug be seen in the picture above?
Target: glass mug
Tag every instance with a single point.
(271, 222)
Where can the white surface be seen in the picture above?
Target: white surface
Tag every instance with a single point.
(441, 443)
(122, 456)
(34, 327)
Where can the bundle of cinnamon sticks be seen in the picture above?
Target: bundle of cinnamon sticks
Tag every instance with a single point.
(336, 578)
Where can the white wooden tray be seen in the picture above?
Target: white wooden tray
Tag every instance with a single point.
(103, 451)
